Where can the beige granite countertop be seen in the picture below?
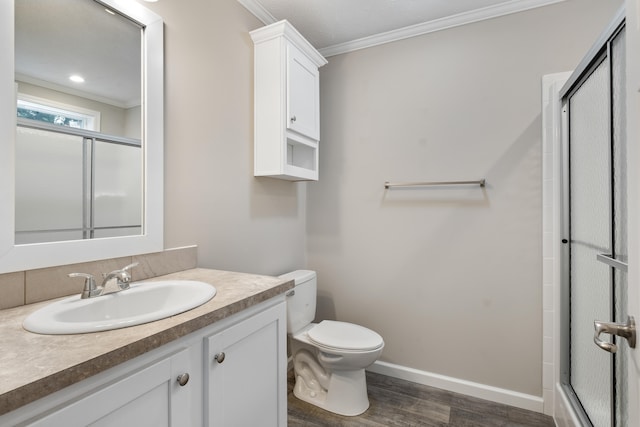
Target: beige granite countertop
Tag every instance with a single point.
(33, 366)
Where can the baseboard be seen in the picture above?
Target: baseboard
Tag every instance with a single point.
(481, 391)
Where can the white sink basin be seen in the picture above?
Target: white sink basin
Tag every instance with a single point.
(142, 303)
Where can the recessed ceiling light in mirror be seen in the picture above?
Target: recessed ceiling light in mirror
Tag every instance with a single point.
(76, 78)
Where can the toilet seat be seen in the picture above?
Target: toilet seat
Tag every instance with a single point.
(344, 336)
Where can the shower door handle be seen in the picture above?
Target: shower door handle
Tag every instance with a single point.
(625, 330)
(612, 262)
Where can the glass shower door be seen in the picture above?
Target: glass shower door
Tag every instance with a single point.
(49, 186)
(590, 201)
(597, 231)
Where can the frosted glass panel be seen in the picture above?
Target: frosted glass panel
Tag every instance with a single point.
(49, 178)
(590, 204)
(620, 216)
(118, 188)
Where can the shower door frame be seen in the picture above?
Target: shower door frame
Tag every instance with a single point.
(633, 158)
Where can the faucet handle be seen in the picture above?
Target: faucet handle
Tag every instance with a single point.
(130, 266)
(90, 287)
(124, 277)
(127, 276)
(121, 270)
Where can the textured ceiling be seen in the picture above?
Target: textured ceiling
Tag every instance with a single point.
(54, 39)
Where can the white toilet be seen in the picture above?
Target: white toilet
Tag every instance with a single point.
(329, 358)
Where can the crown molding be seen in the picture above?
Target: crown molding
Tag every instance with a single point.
(256, 8)
(489, 12)
(285, 29)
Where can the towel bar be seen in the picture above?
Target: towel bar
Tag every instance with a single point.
(387, 184)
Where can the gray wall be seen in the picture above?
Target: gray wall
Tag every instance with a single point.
(451, 278)
(239, 222)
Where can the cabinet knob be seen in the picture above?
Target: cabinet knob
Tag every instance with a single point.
(183, 379)
(293, 118)
(219, 357)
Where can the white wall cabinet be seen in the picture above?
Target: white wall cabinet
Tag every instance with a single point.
(247, 388)
(286, 103)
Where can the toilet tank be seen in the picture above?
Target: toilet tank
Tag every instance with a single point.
(301, 300)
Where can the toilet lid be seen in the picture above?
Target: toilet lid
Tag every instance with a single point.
(343, 335)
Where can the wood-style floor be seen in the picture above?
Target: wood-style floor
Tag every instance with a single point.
(396, 402)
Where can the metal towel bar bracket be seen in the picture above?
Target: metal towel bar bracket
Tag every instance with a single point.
(480, 182)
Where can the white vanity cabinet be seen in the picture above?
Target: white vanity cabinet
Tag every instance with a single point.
(245, 372)
(150, 397)
(286, 103)
(247, 388)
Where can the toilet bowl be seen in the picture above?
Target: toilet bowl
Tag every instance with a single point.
(329, 357)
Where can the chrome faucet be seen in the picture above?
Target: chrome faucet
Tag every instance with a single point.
(91, 290)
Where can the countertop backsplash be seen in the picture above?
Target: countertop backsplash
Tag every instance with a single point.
(31, 286)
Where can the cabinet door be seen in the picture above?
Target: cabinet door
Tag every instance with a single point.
(246, 372)
(303, 86)
(150, 397)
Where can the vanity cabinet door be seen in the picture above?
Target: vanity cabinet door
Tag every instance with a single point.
(148, 397)
(245, 372)
(303, 88)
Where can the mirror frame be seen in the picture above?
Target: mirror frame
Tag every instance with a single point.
(25, 257)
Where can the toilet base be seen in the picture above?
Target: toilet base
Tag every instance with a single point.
(346, 393)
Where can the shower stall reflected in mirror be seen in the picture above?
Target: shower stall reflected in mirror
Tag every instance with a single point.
(74, 184)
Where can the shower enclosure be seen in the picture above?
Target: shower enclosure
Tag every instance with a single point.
(74, 184)
(594, 254)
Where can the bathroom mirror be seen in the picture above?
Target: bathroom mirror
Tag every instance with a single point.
(114, 118)
(78, 151)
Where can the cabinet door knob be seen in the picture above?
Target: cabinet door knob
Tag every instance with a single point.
(293, 118)
(183, 379)
(219, 357)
